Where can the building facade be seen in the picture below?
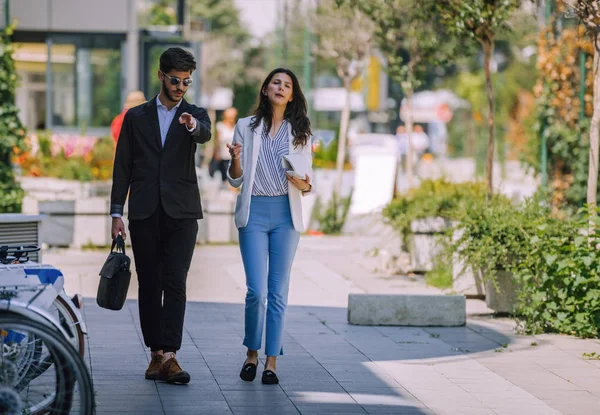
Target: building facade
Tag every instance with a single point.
(75, 60)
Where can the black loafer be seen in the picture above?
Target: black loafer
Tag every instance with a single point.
(248, 372)
(269, 378)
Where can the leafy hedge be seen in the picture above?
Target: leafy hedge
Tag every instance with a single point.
(559, 279)
(433, 198)
(12, 133)
(553, 256)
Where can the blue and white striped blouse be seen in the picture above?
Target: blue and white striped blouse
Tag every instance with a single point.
(270, 179)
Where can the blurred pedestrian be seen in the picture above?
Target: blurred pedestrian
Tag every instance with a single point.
(419, 141)
(223, 138)
(268, 212)
(134, 98)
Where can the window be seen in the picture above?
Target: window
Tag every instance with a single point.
(85, 81)
(30, 64)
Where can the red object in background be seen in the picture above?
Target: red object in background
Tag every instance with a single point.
(444, 113)
(115, 125)
(134, 98)
(313, 232)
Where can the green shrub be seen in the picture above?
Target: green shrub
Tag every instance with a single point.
(101, 158)
(95, 165)
(332, 217)
(440, 276)
(71, 168)
(559, 279)
(433, 198)
(493, 234)
(555, 265)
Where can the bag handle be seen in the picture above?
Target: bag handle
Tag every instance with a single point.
(119, 242)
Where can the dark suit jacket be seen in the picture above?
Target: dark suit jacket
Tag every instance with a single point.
(153, 173)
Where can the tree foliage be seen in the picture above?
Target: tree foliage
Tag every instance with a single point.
(479, 21)
(345, 37)
(557, 114)
(162, 13)
(410, 38)
(588, 12)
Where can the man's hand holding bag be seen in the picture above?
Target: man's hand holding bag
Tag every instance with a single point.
(114, 277)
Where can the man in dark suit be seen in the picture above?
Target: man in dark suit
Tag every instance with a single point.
(154, 162)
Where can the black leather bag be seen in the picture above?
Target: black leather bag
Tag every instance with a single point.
(114, 277)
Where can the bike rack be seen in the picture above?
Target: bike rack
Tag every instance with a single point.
(31, 311)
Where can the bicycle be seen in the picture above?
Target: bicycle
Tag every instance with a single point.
(66, 310)
(40, 370)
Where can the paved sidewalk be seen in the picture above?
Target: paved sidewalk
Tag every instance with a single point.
(329, 367)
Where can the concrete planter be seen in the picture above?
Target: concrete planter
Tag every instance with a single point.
(406, 310)
(78, 214)
(38, 189)
(219, 226)
(423, 243)
(465, 280)
(76, 223)
(501, 297)
(202, 236)
(48, 188)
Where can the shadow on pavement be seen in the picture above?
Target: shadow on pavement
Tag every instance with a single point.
(329, 366)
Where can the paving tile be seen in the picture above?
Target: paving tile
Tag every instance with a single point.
(324, 408)
(329, 367)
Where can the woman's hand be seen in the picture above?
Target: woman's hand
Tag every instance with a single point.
(235, 150)
(302, 185)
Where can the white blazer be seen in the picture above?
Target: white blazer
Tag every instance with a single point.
(250, 142)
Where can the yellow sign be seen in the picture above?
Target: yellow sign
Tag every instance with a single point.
(374, 84)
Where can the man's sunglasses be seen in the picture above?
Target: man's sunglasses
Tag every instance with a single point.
(176, 81)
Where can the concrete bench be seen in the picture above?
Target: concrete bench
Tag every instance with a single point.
(406, 310)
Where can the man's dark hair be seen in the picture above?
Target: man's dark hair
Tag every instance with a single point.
(177, 59)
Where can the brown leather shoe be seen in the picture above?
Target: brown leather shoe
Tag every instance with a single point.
(171, 372)
(154, 368)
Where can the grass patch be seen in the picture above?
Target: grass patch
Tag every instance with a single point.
(440, 277)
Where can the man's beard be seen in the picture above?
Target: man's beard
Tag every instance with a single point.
(168, 94)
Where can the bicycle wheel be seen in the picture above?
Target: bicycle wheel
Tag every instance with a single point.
(69, 322)
(60, 387)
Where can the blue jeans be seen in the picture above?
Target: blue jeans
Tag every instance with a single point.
(268, 244)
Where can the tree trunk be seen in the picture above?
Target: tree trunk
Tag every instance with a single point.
(488, 50)
(409, 132)
(472, 150)
(341, 153)
(592, 183)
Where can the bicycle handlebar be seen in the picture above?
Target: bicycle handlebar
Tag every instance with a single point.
(16, 253)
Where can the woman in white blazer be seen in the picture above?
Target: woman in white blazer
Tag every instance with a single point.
(268, 212)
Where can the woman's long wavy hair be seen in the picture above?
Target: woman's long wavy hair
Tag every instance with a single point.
(295, 111)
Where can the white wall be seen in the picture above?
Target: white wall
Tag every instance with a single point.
(71, 15)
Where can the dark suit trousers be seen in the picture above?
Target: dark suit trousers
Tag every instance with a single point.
(162, 248)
